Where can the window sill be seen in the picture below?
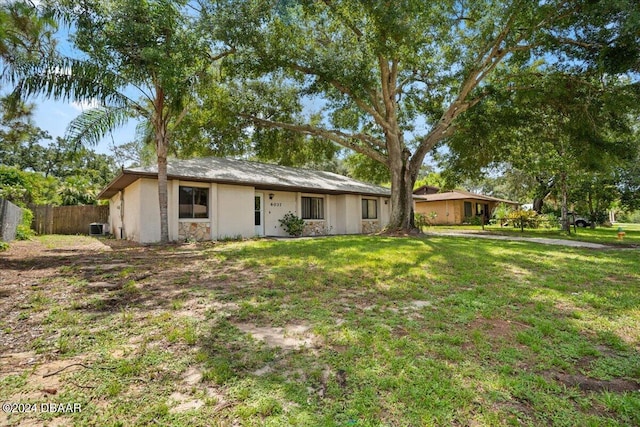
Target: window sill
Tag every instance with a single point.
(194, 219)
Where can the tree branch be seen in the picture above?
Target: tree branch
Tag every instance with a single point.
(578, 43)
(221, 55)
(349, 25)
(344, 90)
(487, 62)
(337, 136)
(177, 122)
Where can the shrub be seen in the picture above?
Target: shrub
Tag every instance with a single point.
(547, 221)
(599, 217)
(293, 225)
(424, 220)
(472, 220)
(501, 212)
(3, 246)
(522, 218)
(631, 217)
(420, 221)
(432, 217)
(24, 231)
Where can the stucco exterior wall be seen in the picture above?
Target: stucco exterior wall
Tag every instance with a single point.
(348, 214)
(331, 208)
(115, 221)
(132, 211)
(385, 211)
(235, 211)
(231, 213)
(275, 209)
(340, 220)
(149, 208)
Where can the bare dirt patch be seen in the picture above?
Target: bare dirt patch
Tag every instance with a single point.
(192, 376)
(184, 403)
(36, 277)
(290, 337)
(65, 280)
(43, 378)
(585, 383)
(498, 328)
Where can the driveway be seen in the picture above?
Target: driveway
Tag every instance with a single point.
(543, 240)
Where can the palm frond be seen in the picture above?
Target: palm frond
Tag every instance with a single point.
(69, 79)
(92, 125)
(144, 133)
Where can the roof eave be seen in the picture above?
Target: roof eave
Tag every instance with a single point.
(126, 177)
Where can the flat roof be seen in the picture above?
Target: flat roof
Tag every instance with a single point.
(243, 172)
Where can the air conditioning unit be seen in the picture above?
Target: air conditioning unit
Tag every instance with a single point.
(98, 229)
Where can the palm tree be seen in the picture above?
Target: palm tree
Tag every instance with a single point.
(25, 34)
(140, 60)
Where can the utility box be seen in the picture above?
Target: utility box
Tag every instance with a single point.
(96, 229)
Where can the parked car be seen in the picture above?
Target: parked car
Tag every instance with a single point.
(580, 221)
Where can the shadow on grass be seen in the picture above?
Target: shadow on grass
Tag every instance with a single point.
(388, 359)
(405, 330)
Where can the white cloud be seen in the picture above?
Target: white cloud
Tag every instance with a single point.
(86, 105)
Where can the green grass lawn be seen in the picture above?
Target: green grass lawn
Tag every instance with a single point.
(396, 332)
(603, 235)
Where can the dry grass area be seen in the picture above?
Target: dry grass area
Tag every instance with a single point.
(349, 330)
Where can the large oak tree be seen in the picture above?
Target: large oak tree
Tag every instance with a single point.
(392, 77)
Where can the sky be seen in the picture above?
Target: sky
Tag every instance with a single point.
(55, 116)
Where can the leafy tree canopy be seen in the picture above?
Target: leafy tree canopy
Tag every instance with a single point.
(23, 188)
(391, 79)
(59, 164)
(25, 35)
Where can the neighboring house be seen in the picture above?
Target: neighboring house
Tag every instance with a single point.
(426, 189)
(214, 198)
(457, 207)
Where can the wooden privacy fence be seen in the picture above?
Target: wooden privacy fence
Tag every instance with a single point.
(67, 219)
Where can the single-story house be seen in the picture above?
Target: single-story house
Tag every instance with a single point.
(215, 198)
(457, 206)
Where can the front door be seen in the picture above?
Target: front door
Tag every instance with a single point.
(259, 215)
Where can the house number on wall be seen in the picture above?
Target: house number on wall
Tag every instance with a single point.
(275, 204)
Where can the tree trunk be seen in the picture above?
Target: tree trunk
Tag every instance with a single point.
(162, 190)
(565, 217)
(592, 212)
(542, 191)
(403, 177)
(401, 205)
(537, 205)
(162, 148)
